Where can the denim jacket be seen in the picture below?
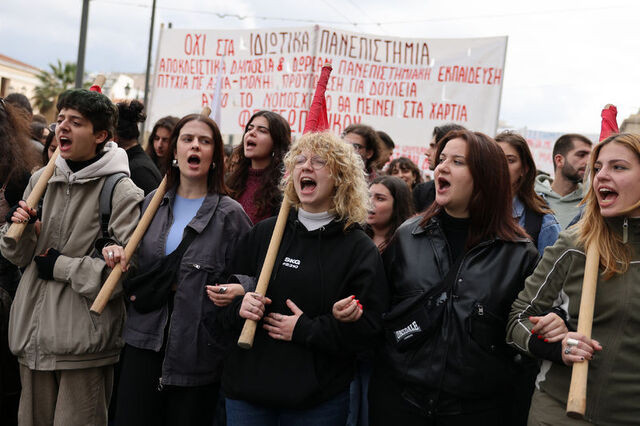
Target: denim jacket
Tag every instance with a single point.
(549, 229)
(193, 350)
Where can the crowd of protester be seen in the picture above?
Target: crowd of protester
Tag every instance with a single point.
(396, 297)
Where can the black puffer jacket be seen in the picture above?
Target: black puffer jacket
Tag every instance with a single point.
(466, 356)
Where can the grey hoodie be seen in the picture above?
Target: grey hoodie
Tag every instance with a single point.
(565, 208)
(50, 327)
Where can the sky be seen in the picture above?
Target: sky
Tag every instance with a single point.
(566, 59)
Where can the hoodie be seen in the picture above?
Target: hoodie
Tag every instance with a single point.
(565, 208)
(50, 326)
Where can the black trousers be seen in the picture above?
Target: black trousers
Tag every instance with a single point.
(141, 402)
(387, 407)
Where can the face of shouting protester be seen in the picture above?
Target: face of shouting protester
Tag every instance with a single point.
(257, 142)
(194, 151)
(313, 182)
(516, 168)
(381, 206)
(615, 181)
(454, 183)
(161, 141)
(76, 137)
(574, 164)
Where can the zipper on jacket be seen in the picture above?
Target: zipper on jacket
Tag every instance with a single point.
(166, 347)
(625, 230)
(480, 310)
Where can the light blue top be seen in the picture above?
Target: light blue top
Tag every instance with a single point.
(549, 229)
(184, 209)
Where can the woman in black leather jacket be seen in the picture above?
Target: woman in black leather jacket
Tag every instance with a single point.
(454, 272)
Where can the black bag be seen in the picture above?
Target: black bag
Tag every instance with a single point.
(413, 321)
(150, 290)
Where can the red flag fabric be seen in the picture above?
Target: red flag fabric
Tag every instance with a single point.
(609, 124)
(317, 120)
(95, 88)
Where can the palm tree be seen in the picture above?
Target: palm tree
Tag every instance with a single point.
(52, 83)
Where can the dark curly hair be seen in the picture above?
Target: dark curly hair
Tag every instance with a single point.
(129, 115)
(269, 195)
(404, 163)
(16, 153)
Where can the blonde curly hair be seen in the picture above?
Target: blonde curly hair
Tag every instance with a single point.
(350, 201)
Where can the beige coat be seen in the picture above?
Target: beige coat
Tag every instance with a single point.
(50, 326)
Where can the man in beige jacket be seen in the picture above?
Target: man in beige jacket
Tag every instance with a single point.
(66, 354)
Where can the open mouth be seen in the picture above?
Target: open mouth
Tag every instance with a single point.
(443, 184)
(193, 160)
(607, 196)
(250, 144)
(65, 143)
(307, 185)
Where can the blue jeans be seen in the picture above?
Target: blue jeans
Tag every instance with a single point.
(329, 413)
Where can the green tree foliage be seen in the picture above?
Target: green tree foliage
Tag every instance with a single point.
(60, 78)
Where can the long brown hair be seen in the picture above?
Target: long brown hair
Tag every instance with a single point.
(268, 195)
(490, 204)
(215, 178)
(17, 156)
(525, 190)
(614, 254)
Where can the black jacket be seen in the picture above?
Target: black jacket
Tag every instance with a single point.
(424, 195)
(144, 172)
(467, 356)
(314, 269)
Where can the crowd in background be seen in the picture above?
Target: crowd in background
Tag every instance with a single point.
(397, 297)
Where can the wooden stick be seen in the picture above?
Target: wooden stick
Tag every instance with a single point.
(112, 281)
(206, 111)
(16, 229)
(249, 330)
(577, 401)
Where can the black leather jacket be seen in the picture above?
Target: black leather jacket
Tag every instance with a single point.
(466, 356)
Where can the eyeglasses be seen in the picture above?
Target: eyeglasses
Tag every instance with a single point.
(317, 163)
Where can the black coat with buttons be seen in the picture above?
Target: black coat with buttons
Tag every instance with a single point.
(466, 355)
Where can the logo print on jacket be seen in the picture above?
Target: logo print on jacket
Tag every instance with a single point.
(291, 263)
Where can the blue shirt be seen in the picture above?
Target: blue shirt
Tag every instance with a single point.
(549, 229)
(184, 209)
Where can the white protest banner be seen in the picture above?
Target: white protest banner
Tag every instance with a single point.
(403, 86)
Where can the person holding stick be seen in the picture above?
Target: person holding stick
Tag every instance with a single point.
(258, 165)
(302, 360)
(66, 355)
(612, 206)
(454, 272)
(173, 353)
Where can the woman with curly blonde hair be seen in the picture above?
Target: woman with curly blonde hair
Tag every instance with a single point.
(611, 220)
(324, 300)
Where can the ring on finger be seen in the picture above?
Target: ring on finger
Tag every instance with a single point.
(567, 350)
(572, 342)
(110, 255)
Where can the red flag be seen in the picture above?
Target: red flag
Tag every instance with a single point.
(609, 124)
(317, 119)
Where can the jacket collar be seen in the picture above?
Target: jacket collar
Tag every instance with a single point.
(205, 212)
(114, 160)
(518, 208)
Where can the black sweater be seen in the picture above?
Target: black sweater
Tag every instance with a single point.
(144, 172)
(314, 269)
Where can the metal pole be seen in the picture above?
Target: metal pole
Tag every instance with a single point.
(146, 78)
(82, 44)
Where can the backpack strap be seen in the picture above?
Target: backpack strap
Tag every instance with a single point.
(106, 194)
(532, 224)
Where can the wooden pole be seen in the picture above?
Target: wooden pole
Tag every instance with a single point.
(116, 273)
(249, 330)
(16, 229)
(577, 400)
